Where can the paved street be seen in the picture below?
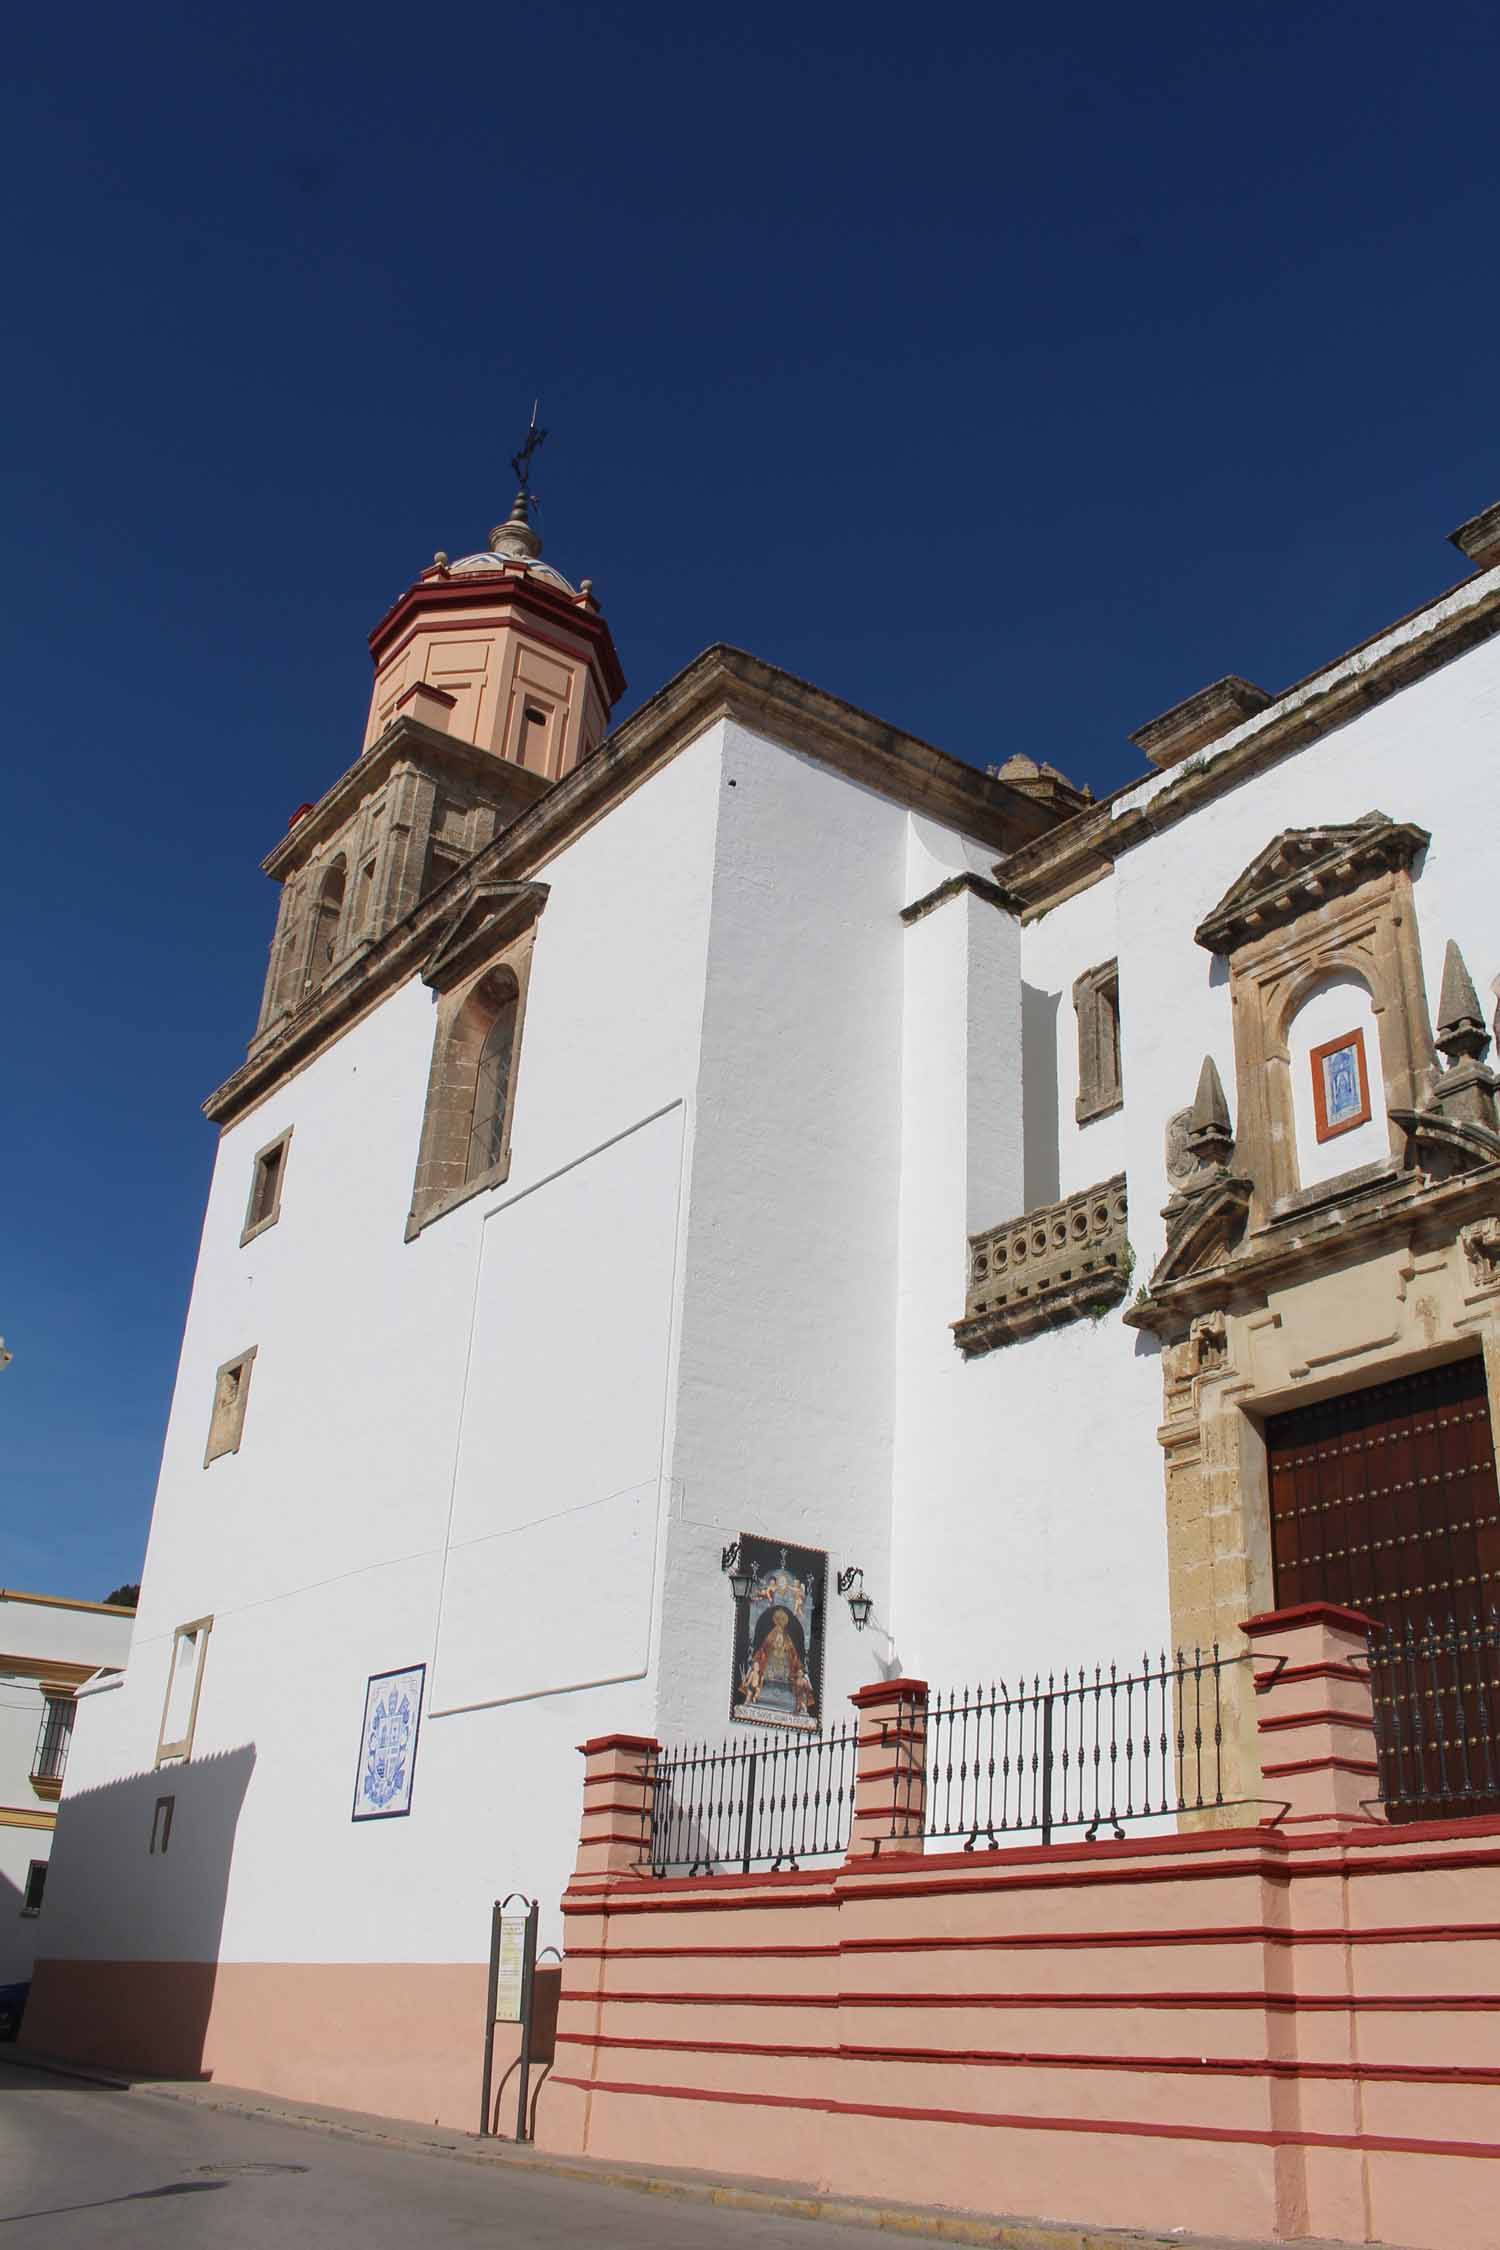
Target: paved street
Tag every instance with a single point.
(81, 2165)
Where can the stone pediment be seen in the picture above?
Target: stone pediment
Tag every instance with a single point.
(1301, 869)
(490, 916)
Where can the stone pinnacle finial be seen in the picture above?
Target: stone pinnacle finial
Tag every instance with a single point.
(1210, 1135)
(1460, 1030)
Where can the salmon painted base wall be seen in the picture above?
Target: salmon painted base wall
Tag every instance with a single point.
(402, 2038)
(1242, 2032)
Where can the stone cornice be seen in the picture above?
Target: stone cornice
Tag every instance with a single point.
(723, 683)
(1343, 1230)
(405, 741)
(1085, 849)
(964, 885)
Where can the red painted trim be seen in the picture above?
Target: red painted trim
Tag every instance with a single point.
(1319, 1765)
(1310, 1613)
(1377, 2143)
(497, 592)
(1272, 1724)
(889, 1691)
(1001, 2058)
(597, 1742)
(1292, 1675)
(1281, 2003)
(425, 687)
(1247, 1933)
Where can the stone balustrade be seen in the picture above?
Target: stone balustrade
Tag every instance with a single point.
(1047, 1267)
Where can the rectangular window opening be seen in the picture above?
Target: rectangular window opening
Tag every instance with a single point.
(267, 1171)
(179, 1711)
(231, 1395)
(36, 1883)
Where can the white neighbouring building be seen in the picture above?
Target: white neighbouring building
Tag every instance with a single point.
(755, 1122)
(50, 1648)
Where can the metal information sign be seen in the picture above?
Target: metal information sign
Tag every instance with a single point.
(512, 1966)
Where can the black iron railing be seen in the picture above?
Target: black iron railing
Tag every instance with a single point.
(1436, 1692)
(774, 1799)
(1089, 1750)
(53, 1737)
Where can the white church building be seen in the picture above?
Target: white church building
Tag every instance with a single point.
(755, 1126)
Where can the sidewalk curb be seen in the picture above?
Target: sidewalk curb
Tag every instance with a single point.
(999, 2233)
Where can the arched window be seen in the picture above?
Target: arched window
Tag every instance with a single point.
(327, 915)
(500, 1002)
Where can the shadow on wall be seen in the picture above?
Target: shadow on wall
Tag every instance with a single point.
(1039, 1123)
(128, 1940)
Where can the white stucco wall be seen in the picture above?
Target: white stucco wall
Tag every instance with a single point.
(319, 1548)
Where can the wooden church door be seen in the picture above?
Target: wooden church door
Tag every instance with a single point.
(1385, 1500)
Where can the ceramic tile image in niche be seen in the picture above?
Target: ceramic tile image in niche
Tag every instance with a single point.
(1341, 1085)
(388, 1744)
(778, 1636)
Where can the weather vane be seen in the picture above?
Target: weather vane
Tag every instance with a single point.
(521, 461)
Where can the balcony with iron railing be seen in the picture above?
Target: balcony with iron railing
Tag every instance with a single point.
(50, 1758)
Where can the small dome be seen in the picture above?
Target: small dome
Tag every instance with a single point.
(486, 564)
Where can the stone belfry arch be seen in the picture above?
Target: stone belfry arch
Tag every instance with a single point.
(1274, 1291)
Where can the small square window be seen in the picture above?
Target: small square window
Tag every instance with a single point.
(266, 1175)
(179, 1711)
(36, 1883)
(231, 1391)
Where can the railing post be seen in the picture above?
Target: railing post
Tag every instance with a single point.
(747, 1841)
(1047, 1769)
(614, 1836)
(1315, 1715)
(890, 1768)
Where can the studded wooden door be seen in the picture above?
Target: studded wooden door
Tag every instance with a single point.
(1385, 1500)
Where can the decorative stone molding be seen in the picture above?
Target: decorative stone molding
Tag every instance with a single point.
(1200, 719)
(1096, 1003)
(1303, 868)
(1046, 1268)
(1315, 905)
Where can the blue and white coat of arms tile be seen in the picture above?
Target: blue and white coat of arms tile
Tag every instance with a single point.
(388, 1743)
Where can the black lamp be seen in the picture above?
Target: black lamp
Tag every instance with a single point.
(739, 1573)
(860, 1604)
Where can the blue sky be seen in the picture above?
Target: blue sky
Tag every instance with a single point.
(1012, 374)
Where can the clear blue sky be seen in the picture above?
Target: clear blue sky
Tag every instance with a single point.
(1012, 373)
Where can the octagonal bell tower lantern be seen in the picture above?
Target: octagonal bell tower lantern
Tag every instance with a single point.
(494, 679)
(499, 650)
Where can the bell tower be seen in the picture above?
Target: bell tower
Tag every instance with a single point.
(494, 678)
(498, 650)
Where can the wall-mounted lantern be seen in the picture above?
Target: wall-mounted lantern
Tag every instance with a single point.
(860, 1603)
(738, 1573)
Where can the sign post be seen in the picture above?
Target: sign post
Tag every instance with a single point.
(512, 1975)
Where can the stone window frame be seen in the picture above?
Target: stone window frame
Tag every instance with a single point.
(1096, 1004)
(254, 1224)
(1369, 936)
(226, 1420)
(492, 935)
(180, 1750)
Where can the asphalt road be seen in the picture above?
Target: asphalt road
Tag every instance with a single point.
(81, 2165)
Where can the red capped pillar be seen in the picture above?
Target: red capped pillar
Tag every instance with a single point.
(1315, 1714)
(614, 1837)
(890, 1773)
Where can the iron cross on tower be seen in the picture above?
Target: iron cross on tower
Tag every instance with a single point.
(521, 461)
